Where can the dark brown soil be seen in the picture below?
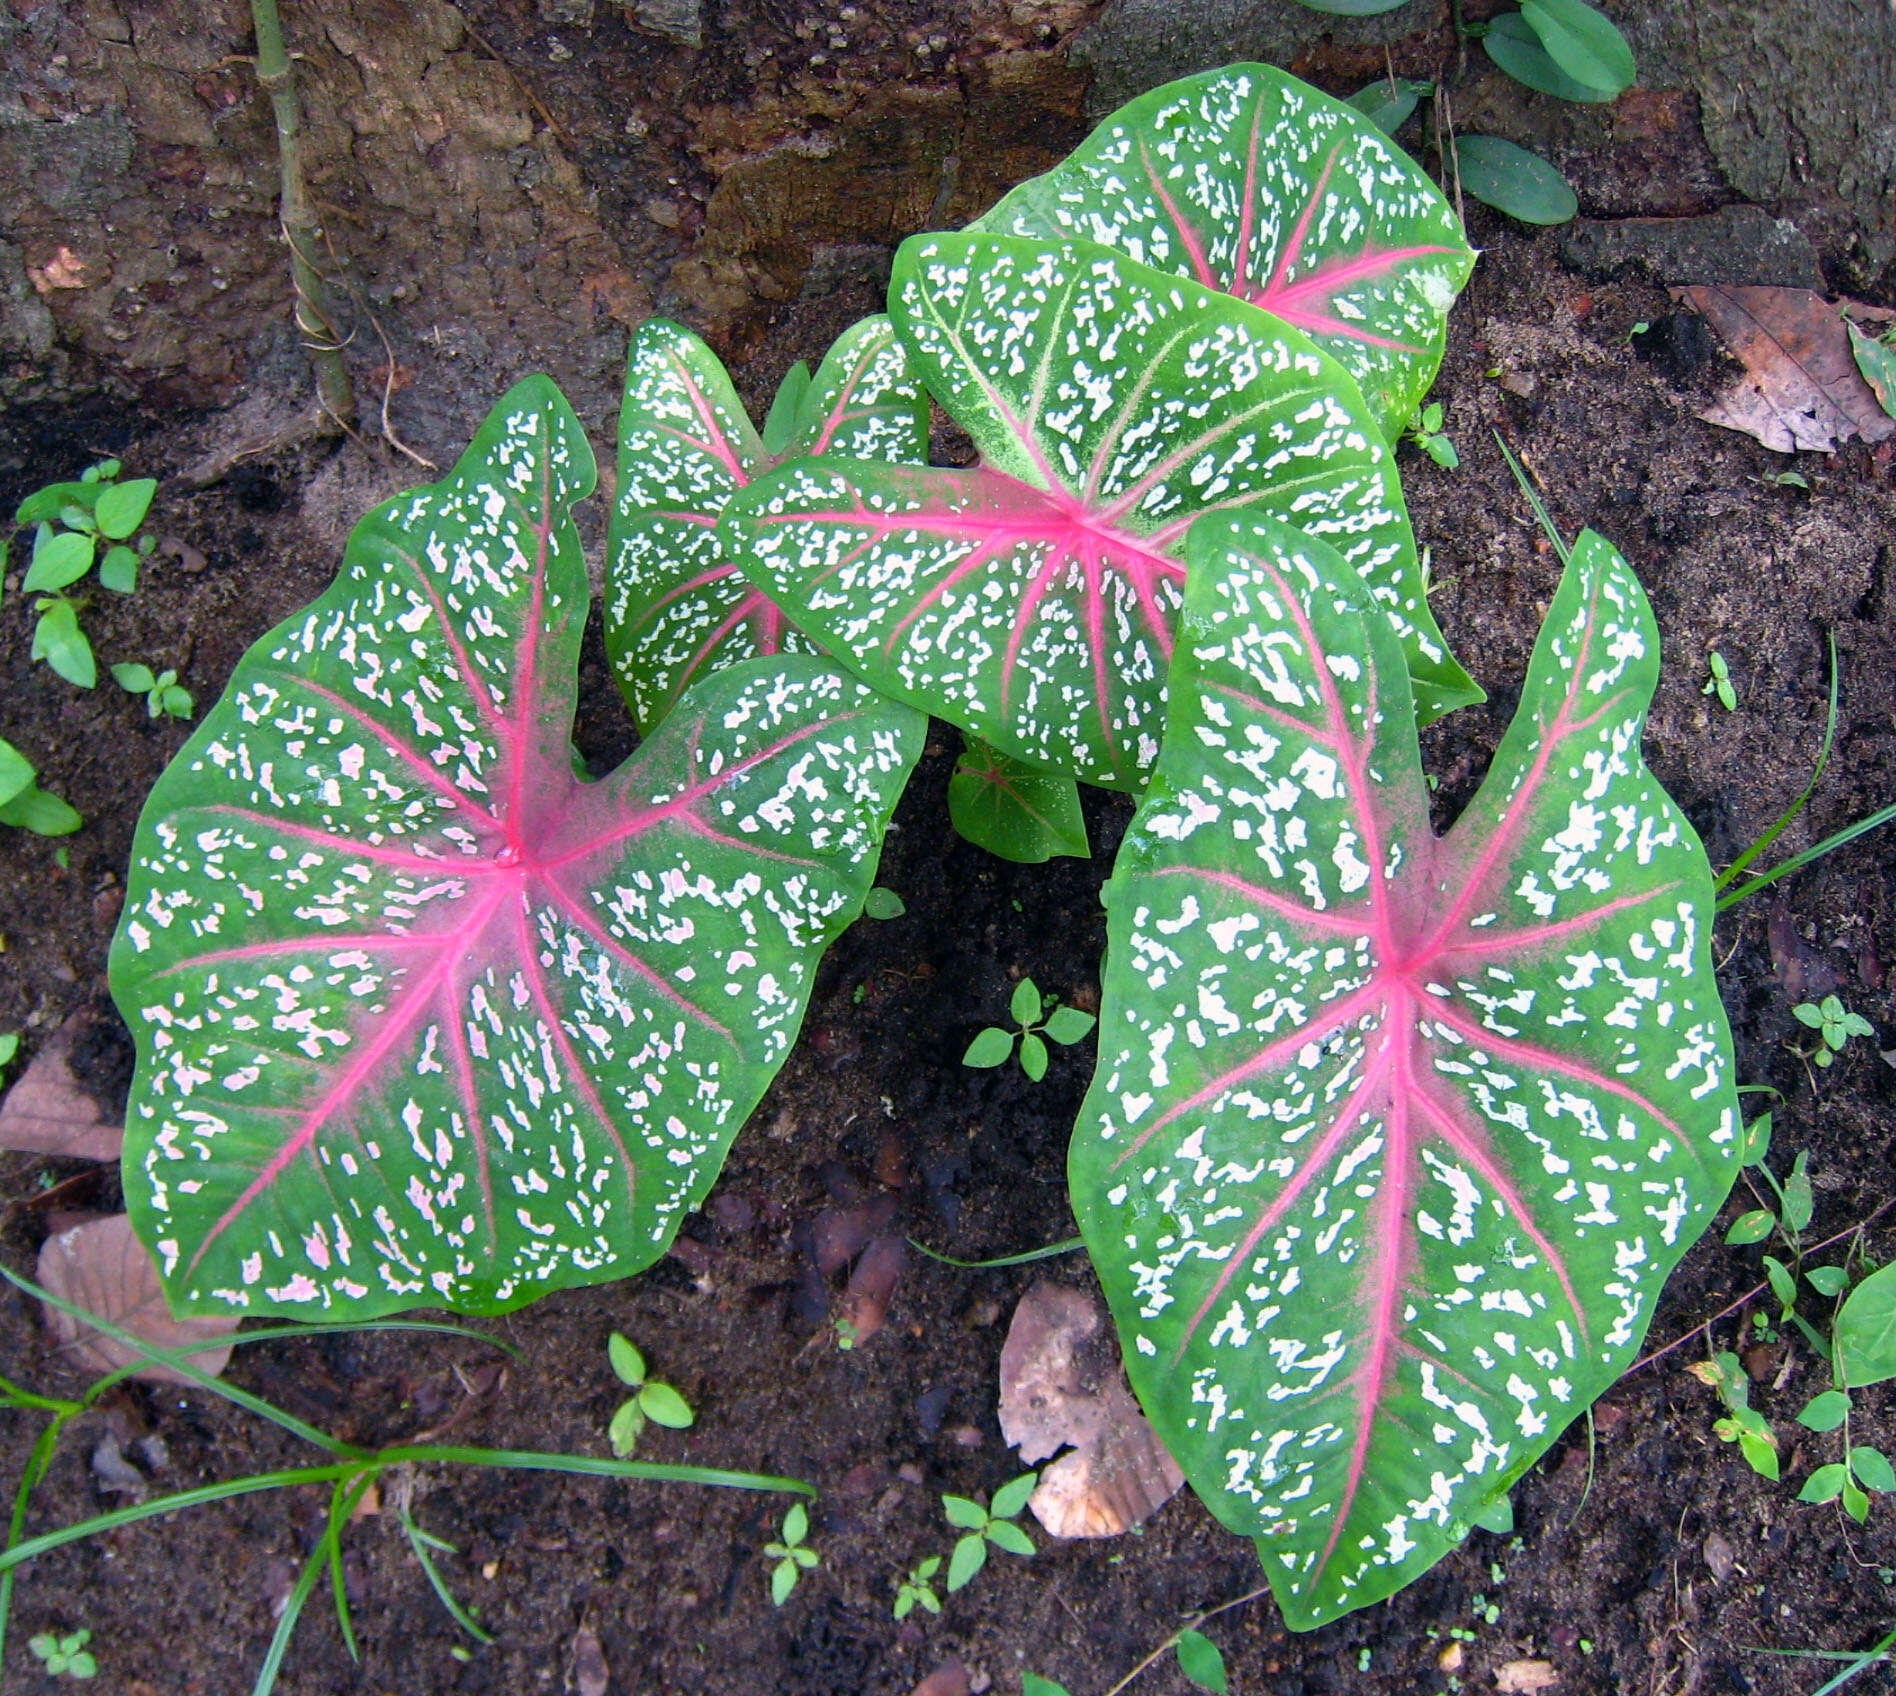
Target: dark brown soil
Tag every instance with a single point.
(1607, 1574)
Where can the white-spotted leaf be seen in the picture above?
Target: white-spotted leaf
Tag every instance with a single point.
(676, 603)
(1032, 600)
(421, 1017)
(1393, 1138)
(1247, 180)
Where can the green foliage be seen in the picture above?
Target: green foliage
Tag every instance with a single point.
(1389, 102)
(161, 691)
(9, 1046)
(1719, 683)
(1032, 1684)
(75, 525)
(650, 1401)
(981, 1526)
(918, 1589)
(1014, 810)
(1834, 1024)
(1513, 180)
(1351, 1074)
(349, 1472)
(793, 1558)
(1742, 1424)
(510, 1018)
(1876, 360)
(1036, 1023)
(64, 1656)
(1425, 430)
(26, 806)
(882, 903)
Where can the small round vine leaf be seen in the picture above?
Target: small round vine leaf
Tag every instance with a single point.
(135, 679)
(1872, 1468)
(1389, 106)
(990, 1047)
(1012, 809)
(118, 571)
(1202, 1662)
(663, 1405)
(1827, 1280)
(625, 1359)
(882, 903)
(1514, 181)
(1865, 1332)
(121, 507)
(1825, 1411)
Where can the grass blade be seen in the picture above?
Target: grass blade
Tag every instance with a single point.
(1070, 1246)
(536, 1460)
(35, 1546)
(1798, 861)
(1732, 871)
(286, 1623)
(1533, 499)
(420, 1541)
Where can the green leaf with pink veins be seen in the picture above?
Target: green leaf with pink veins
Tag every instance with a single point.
(424, 1019)
(677, 603)
(1247, 180)
(1393, 1138)
(1032, 600)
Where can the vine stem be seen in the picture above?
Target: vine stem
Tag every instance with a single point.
(1755, 1290)
(298, 221)
(1191, 1624)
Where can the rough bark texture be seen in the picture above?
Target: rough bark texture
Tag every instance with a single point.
(509, 184)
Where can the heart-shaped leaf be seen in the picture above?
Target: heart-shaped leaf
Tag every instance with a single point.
(1247, 180)
(423, 1018)
(676, 604)
(1032, 600)
(1393, 1139)
(1013, 810)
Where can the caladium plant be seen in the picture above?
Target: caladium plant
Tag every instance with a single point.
(1014, 811)
(1247, 180)
(1393, 1138)
(1032, 599)
(677, 604)
(423, 1018)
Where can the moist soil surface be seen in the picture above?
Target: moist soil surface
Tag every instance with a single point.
(1645, 1557)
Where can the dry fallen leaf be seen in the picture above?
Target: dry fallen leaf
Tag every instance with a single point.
(1061, 1383)
(65, 270)
(1801, 388)
(102, 1267)
(587, 1673)
(949, 1679)
(47, 1112)
(1520, 1676)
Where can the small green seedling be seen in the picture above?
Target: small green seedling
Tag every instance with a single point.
(882, 903)
(984, 1525)
(1425, 430)
(24, 804)
(1834, 1024)
(1742, 1424)
(1032, 1684)
(1038, 1022)
(9, 1046)
(791, 1556)
(65, 1657)
(918, 1590)
(71, 523)
(162, 694)
(659, 1403)
(1719, 683)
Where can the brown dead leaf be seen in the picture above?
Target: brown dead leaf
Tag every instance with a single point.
(586, 1671)
(1523, 1676)
(102, 1267)
(1801, 388)
(47, 1112)
(949, 1679)
(871, 1284)
(65, 270)
(1061, 1383)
